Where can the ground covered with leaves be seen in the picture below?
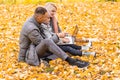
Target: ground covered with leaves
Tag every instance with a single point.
(94, 19)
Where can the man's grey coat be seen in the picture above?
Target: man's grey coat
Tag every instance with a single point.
(31, 35)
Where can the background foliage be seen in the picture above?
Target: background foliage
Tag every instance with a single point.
(42, 1)
(95, 20)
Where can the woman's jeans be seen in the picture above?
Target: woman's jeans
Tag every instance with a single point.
(72, 49)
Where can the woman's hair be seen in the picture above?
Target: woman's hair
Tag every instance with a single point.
(40, 10)
(50, 4)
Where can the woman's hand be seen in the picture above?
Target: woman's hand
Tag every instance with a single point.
(62, 35)
(65, 40)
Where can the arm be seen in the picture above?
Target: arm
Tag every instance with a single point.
(55, 38)
(35, 36)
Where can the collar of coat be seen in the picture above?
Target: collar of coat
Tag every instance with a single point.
(35, 22)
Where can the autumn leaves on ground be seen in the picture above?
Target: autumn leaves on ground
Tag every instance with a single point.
(95, 20)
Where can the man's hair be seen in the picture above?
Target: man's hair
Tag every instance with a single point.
(40, 10)
(50, 4)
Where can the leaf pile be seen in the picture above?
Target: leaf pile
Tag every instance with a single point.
(94, 19)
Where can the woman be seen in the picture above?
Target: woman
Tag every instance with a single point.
(54, 27)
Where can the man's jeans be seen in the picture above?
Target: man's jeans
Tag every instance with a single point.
(46, 46)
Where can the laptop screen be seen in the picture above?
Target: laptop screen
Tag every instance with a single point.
(75, 32)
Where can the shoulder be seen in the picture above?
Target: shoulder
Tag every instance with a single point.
(29, 26)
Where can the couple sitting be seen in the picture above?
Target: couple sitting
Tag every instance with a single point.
(37, 42)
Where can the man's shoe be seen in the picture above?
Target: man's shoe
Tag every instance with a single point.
(80, 63)
(89, 53)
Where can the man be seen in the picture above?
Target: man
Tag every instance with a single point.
(34, 45)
